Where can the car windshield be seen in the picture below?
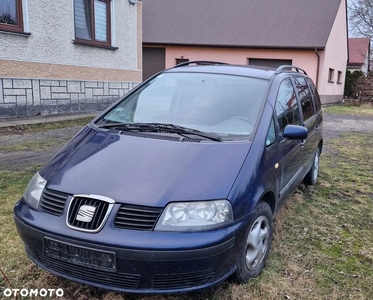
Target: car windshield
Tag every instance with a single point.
(225, 105)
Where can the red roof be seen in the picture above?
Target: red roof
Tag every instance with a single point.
(358, 50)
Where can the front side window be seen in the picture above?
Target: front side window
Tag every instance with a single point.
(11, 15)
(287, 105)
(226, 105)
(92, 22)
(271, 134)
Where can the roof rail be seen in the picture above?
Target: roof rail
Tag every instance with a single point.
(199, 62)
(281, 69)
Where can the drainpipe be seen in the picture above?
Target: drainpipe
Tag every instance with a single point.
(318, 68)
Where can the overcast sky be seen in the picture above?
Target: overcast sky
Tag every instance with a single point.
(351, 32)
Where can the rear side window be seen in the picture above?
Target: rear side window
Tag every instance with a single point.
(286, 105)
(315, 94)
(305, 98)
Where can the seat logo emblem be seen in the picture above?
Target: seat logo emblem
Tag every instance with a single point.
(86, 213)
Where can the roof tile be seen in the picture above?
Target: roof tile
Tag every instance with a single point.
(357, 50)
(239, 23)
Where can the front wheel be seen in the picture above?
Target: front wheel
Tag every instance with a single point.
(311, 177)
(256, 244)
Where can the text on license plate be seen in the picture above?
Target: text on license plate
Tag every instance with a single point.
(91, 258)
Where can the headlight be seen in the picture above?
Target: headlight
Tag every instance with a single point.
(34, 190)
(195, 216)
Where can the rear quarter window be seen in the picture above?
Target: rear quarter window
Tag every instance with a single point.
(315, 94)
(305, 98)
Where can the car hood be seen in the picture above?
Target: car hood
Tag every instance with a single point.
(145, 171)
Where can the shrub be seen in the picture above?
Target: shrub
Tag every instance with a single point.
(351, 90)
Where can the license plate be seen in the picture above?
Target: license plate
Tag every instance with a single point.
(88, 257)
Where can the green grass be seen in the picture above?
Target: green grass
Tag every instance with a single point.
(348, 109)
(322, 247)
(13, 260)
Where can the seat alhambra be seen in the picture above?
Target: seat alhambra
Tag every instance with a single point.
(174, 187)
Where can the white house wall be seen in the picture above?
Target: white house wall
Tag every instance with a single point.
(49, 53)
(366, 64)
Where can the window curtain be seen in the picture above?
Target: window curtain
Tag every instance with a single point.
(101, 21)
(83, 20)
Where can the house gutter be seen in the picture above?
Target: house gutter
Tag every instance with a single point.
(318, 68)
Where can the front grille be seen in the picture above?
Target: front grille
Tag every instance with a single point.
(178, 281)
(117, 280)
(137, 217)
(94, 223)
(53, 202)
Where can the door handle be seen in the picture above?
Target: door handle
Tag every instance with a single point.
(317, 128)
(303, 143)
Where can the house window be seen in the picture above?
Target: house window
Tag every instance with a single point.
(92, 22)
(331, 75)
(339, 79)
(11, 15)
(272, 63)
(181, 60)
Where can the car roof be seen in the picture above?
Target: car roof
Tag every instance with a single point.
(240, 70)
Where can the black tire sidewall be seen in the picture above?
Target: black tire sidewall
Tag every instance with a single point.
(309, 179)
(243, 274)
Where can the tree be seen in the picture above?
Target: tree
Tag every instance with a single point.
(361, 17)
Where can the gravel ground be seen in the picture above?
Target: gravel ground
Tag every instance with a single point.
(334, 125)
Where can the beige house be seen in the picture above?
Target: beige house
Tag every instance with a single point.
(67, 56)
(309, 34)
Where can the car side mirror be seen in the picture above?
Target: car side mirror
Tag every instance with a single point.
(295, 132)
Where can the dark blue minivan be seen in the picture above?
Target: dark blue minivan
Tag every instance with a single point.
(174, 187)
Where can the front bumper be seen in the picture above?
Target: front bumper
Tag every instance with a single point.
(165, 263)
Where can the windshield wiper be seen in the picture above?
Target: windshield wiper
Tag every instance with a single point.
(185, 130)
(161, 127)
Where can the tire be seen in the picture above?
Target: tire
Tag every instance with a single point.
(311, 177)
(255, 245)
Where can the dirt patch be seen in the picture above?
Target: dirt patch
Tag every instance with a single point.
(17, 138)
(18, 160)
